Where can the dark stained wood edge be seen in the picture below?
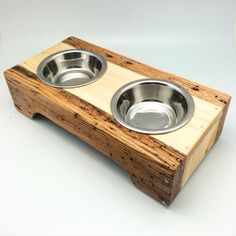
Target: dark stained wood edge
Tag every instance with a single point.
(146, 189)
(213, 96)
(222, 121)
(156, 165)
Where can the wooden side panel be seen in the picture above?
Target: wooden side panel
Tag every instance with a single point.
(154, 164)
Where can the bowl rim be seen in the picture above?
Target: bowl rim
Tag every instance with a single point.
(52, 56)
(188, 97)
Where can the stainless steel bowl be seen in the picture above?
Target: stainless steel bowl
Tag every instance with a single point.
(152, 106)
(71, 68)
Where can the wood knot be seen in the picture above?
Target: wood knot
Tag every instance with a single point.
(223, 101)
(108, 55)
(195, 88)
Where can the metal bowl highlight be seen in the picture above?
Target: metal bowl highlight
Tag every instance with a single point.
(152, 106)
(71, 68)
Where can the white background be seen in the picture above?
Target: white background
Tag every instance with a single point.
(51, 183)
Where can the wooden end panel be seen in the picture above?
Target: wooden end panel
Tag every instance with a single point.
(201, 150)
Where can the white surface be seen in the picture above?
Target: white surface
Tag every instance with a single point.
(51, 183)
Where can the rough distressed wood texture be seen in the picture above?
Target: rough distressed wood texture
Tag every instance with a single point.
(158, 164)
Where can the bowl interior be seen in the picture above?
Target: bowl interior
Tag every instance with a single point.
(152, 106)
(71, 68)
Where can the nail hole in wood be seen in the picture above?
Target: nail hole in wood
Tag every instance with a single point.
(128, 62)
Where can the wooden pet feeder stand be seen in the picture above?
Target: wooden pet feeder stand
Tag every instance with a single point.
(159, 165)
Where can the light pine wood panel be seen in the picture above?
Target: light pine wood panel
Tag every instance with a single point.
(200, 150)
(100, 93)
(32, 63)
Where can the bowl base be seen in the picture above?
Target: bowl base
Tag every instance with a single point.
(151, 115)
(74, 78)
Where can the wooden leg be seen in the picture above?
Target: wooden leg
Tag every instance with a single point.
(22, 103)
(149, 190)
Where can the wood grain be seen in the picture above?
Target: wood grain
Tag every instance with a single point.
(198, 90)
(117, 76)
(154, 163)
(158, 164)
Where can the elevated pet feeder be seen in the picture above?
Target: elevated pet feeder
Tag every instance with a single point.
(156, 125)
